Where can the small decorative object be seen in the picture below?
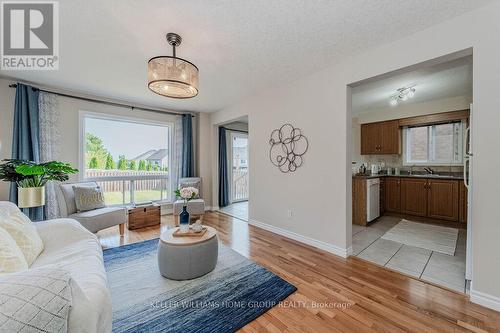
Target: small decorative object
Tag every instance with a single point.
(187, 194)
(288, 146)
(197, 227)
(31, 178)
(190, 233)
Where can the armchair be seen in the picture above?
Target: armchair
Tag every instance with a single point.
(92, 220)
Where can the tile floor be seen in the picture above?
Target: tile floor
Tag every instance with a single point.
(441, 269)
(238, 210)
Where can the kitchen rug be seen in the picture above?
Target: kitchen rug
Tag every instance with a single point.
(423, 235)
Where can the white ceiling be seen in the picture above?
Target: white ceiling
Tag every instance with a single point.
(445, 80)
(239, 46)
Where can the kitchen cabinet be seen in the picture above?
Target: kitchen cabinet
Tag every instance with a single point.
(414, 196)
(443, 199)
(462, 203)
(392, 195)
(359, 201)
(369, 138)
(382, 195)
(389, 137)
(380, 138)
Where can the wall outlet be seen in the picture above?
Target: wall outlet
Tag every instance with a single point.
(289, 213)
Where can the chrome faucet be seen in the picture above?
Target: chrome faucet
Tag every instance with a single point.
(429, 170)
(411, 170)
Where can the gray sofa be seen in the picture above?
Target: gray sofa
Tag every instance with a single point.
(92, 220)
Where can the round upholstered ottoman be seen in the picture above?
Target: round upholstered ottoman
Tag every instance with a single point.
(184, 258)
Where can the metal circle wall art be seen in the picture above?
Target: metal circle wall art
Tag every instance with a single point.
(288, 146)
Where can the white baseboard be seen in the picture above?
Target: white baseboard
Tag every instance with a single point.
(303, 239)
(485, 300)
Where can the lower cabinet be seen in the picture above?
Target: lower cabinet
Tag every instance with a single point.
(434, 198)
(443, 199)
(393, 195)
(414, 196)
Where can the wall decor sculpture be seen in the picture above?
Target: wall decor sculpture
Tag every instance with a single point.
(288, 146)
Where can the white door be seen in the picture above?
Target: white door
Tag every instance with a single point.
(239, 166)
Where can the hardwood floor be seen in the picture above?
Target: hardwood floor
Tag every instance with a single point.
(335, 294)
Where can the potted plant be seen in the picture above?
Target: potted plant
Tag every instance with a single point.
(31, 178)
(187, 194)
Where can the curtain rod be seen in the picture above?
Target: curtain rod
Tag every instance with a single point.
(234, 130)
(14, 85)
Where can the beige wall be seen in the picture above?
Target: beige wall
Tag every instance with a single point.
(205, 156)
(70, 141)
(319, 193)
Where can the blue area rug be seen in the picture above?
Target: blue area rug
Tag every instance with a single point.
(224, 300)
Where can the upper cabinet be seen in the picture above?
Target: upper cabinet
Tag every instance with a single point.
(380, 138)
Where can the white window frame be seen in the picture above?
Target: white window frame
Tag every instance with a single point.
(82, 115)
(431, 162)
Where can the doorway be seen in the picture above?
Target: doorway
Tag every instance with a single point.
(411, 141)
(237, 146)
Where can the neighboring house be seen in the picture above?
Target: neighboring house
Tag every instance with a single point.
(158, 157)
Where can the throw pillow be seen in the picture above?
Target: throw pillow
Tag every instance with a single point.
(11, 256)
(23, 231)
(88, 198)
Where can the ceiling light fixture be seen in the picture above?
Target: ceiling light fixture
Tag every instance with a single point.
(171, 76)
(402, 95)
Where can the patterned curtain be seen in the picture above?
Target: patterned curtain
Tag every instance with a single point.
(25, 145)
(50, 145)
(177, 155)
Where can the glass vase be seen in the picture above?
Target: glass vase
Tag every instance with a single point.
(184, 220)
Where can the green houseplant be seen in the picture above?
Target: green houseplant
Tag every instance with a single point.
(31, 178)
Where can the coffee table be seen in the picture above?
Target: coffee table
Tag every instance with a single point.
(185, 258)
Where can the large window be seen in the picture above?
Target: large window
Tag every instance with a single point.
(128, 158)
(434, 144)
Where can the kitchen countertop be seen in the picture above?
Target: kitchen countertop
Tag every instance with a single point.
(433, 176)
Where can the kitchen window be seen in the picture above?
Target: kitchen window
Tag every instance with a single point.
(439, 144)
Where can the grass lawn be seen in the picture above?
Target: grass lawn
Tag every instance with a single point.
(116, 198)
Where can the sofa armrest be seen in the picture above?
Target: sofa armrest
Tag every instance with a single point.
(66, 229)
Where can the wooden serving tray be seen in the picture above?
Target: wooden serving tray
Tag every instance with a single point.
(191, 233)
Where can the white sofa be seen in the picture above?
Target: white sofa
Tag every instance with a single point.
(68, 245)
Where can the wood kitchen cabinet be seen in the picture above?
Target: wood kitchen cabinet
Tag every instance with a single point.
(369, 138)
(380, 138)
(392, 194)
(414, 196)
(382, 195)
(443, 199)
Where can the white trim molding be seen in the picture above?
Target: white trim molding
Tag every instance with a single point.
(485, 300)
(344, 253)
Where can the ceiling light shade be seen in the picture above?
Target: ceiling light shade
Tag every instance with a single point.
(171, 76)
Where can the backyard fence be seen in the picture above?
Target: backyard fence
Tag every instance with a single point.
(124, 185)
